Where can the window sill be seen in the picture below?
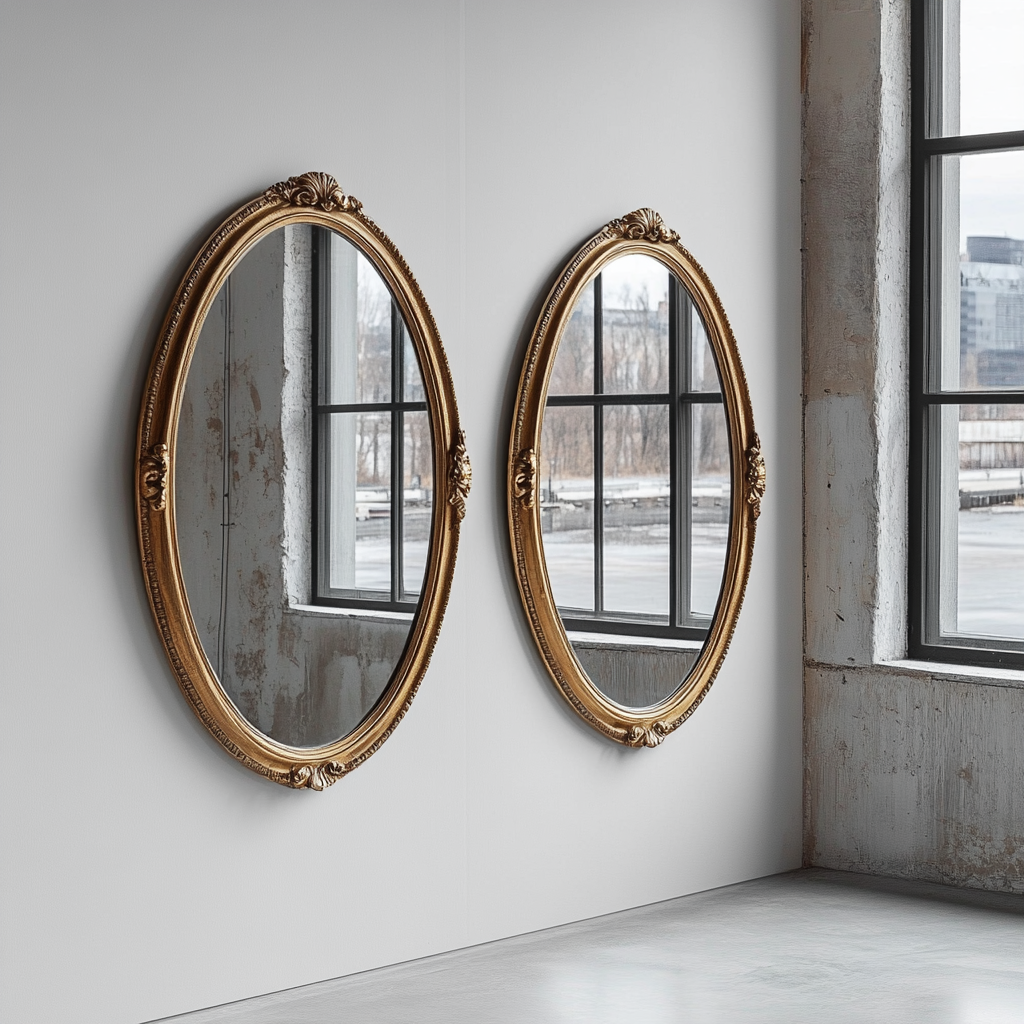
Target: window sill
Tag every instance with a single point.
(329, 611)
(618, 641)
(979, 675)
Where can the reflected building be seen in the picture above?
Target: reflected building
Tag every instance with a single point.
(992, 313)
(992, 356)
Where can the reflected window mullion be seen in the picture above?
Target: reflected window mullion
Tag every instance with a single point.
(320, 526)
(397, 455)
(685, 465)
(598, 449)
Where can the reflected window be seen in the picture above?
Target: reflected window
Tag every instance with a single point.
(372, 449)
(967, 365)
(634, 473)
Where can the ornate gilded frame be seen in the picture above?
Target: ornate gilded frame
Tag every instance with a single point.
(641, 231)
(313, 198)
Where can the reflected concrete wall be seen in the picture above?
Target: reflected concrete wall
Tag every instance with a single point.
(633, 675)
(303, 677)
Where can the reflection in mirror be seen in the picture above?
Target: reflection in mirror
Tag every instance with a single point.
(302, 527)
(635, 481)
(374, 498)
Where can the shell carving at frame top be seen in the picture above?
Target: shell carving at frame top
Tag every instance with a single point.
(643, 224)
(314, 188)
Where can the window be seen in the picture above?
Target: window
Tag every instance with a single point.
(635, 480)
(372, 451)
(967, 332)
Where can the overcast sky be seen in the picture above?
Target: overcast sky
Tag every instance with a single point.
(991, 100)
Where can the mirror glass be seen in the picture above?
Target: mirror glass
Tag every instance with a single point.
(303, 485)
(634, 481)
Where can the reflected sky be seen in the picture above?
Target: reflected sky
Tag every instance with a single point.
(991, 100)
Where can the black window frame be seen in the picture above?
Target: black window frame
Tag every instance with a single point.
(926, 395)
(680, 400)
(397, 599)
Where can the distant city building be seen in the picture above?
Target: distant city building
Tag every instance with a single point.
(995, 249)
(992, 313)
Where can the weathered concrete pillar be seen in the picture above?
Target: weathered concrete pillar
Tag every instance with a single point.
(856, 245)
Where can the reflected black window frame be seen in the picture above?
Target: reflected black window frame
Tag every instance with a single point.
(680, 401)
(926, 640)
(397, 599)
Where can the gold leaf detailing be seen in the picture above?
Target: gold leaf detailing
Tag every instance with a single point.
(755, 475)
(647, 736)
(524, 480)
(153, 468)
(314, 188)
(644, 224)
(317, 776)
(460, 476)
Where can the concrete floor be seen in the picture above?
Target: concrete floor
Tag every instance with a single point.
(808, 946)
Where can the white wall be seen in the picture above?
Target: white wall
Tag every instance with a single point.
(144, 872)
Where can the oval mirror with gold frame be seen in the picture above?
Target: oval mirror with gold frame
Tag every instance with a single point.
(300, 482)
(635, 481)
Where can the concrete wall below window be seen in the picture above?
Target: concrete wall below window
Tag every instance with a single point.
(915, 773)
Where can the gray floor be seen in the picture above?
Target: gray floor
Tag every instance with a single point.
(807, 946)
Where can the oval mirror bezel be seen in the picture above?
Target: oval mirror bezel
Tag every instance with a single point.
(312, 198)
(642, 232)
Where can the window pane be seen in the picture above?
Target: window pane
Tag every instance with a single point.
(634, 304)
(417, 499)
(573, 372)
(703, 369)
(979, 279)
(990, 579)
(991, 72)
(979, 529)
(413, 384)
(710, 505)
(357, 354)
(566, 487)
(636, 509)
(358, 501)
